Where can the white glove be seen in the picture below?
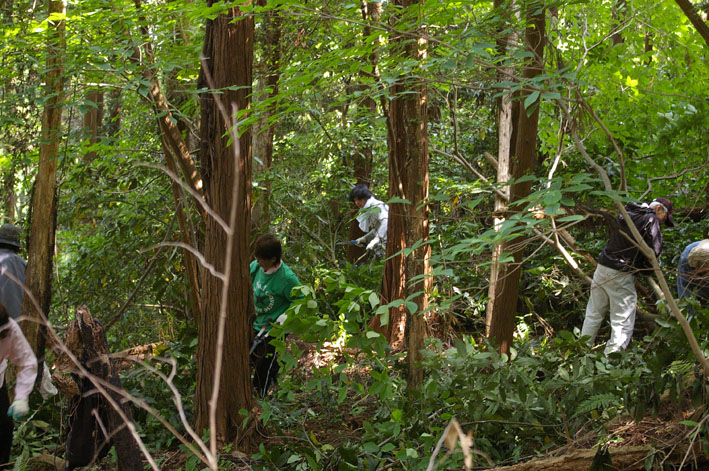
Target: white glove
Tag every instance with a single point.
(281, 319)
(373, 243)
(18, 409)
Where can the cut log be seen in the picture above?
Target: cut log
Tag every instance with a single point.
(626, 458)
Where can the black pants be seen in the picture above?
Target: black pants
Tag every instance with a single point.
(7, 426)
(265, 366)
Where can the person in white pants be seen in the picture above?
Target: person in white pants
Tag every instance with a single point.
(613, 286)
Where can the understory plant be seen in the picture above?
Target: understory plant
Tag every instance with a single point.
(545, 394)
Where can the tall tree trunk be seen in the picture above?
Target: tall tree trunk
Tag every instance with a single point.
(228, 53)
(92, 119)
(9, 198)
(268, 90)
(367, 110)
(44, 199)
(506, 125)
(408, 177)
(504, 285)
(113, 122)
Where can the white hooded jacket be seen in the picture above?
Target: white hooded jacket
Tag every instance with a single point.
(373, 219)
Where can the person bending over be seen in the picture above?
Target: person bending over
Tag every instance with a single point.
(372, 218)
(693, 271)
(613, 285)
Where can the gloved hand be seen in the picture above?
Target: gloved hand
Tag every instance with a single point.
(354, 242)
(18, 409)
(281, 319)
(371, 245)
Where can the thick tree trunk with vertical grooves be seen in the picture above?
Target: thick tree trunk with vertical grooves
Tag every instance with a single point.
(228, 50)
(408, 179)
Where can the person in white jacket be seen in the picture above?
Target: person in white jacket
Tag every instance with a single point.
(15, 349)
(373, 218)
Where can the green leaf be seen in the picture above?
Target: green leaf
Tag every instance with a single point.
(531, 99)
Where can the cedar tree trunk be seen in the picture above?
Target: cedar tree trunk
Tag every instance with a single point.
(228, 60)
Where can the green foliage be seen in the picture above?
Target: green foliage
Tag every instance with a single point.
(113, 212)
(175, 361)
(517, 406)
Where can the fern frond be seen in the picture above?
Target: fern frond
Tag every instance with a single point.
(599, 401)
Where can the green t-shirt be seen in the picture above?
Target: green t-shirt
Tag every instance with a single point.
(271, 293)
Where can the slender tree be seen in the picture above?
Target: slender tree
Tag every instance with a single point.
(44, 199)
(177, 154)
(93, 116)
(367, 110)
(223, 376)
(504, 279)
(269, 75)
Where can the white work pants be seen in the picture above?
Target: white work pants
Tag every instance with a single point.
(611, 291)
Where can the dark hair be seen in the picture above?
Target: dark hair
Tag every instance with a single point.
(267, 246)
(360, 192)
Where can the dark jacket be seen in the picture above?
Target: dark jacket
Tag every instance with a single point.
(620, 253)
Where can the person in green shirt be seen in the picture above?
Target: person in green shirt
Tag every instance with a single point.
(272, 282)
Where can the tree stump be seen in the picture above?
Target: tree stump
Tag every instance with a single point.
(86, 340)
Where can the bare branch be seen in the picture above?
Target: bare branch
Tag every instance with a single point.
(644, 248)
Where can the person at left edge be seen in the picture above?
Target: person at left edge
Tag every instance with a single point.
(15, 348)
(11, 266)
(272, 282)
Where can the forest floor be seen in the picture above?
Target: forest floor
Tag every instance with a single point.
(666, 433)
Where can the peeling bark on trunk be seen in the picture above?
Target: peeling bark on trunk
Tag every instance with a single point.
(505, 149)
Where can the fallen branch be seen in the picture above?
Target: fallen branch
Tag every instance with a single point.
(625, 458)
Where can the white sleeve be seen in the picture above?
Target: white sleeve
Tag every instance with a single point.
(383, 222)
(22, 356)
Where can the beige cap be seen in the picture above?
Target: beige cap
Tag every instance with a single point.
(699, 255)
